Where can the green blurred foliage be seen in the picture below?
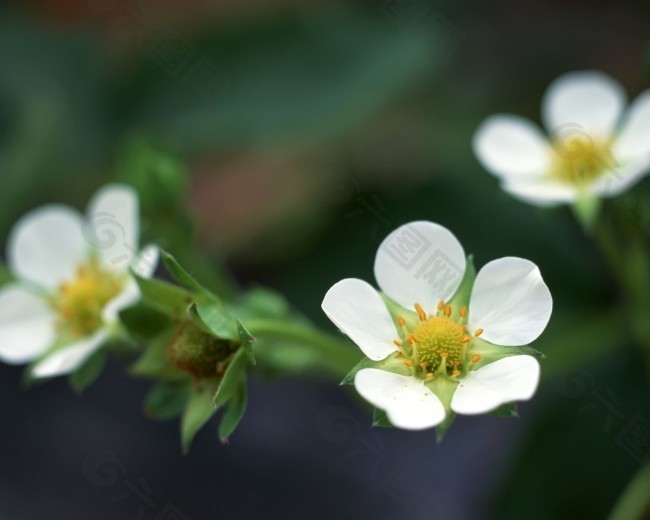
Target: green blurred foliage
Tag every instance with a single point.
(378, 108)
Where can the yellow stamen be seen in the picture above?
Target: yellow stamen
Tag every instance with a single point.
(429, 375)
(412, 339)
(441, 305)
(476, 358)
(420, 311)
(397, 342)
(408, 363)
(423, 365)
(448, 311)
(466, 338)
(444, 355)
(455, 373)
(463, 312)
(478, 332)
(401, 321)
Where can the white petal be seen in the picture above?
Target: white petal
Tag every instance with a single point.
(589, 101)
(27, 325)
(543, 193)
(511, 146)
(129, 296)
(510, 302)
(147, 261)
(633, 141)
(407, 402)
(509, 379)
(615, 182)
(112, 225)
(46, 246)
(420, 262)
(69, 358)
(358, 310)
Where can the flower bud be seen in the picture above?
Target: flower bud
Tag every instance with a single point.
(199, 353)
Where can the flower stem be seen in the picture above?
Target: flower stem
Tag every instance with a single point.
(334, 353)
(635, 501)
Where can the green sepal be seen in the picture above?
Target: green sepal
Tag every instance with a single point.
(168, 298)
(444, 388)
(197, 413)
(88, 373)
(247, 340)
(232, 378)
(363, 363)
(443, 427)
(463, 293)
(181, 276)
(586, 209)
(217, 321)
(380, 419)
(396, 310)
(234, 412)
(154, 363)
(167, 400)
(506, 410)
(490, 353)
(144, 321)
(389, 364)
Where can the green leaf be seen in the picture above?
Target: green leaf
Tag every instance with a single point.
(167, 400)
(380, 419)
(168, 298)
(260, 82)
(234, 412)
(88, 373)
(5, 275)
(159, 178)
(506, 410)
(198, 412)
(180, 275)
(144, 321)
(247, 340)
(233, 377)
(263, 303)
(154, 363)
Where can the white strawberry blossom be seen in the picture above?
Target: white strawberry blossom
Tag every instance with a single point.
(71, 281)
(444, 355)
(596, 146)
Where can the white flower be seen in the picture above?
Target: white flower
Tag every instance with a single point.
(596, 148)
(72, 280)
(455, 352)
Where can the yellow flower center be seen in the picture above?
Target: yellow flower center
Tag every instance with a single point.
(579, 159)
(437, 345)
(436, 339)
(80, 302)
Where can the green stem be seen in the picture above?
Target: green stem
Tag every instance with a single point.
(635, 500)
(337, 354)
(612, 253)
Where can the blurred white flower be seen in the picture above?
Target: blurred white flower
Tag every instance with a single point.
(596, 146)
(72, 280)
(450, 353)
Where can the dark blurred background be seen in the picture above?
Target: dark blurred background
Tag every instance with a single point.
(311, 130)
